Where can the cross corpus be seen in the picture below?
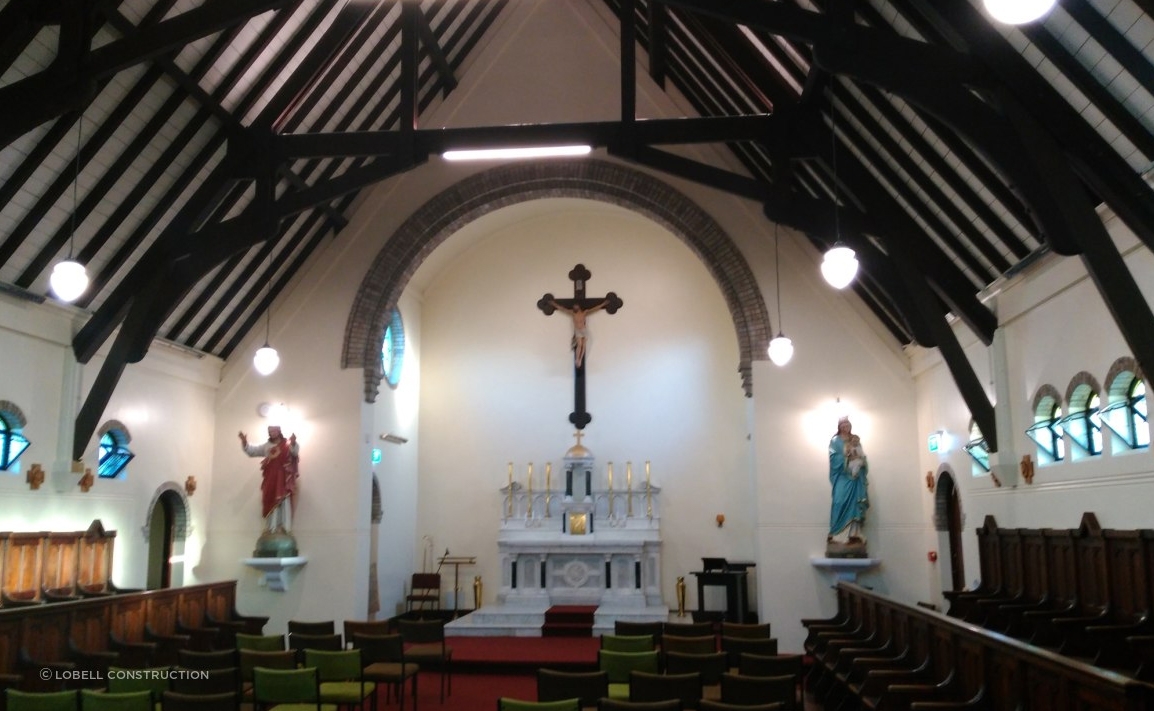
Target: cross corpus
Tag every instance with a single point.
(610, 303)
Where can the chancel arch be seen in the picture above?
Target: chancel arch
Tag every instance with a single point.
(491, 190)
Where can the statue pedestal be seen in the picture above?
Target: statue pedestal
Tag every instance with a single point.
(274, 571)
(845, 569)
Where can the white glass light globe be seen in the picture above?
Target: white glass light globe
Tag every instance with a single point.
(780, 350)
(1018, 12)
(266, 359)
(839, 266)
(68, 280)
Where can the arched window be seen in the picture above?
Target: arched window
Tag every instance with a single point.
(1125, 414)
(1084, 422)
(978, 450)
(12, 442)
(1047, 430)
(393, 349)
(114, 452)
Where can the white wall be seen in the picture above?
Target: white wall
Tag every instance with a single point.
(165, 401)
(1055, 325)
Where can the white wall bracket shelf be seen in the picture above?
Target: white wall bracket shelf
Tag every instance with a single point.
(274, 571)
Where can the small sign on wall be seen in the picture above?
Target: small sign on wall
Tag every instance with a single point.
(935, 442)
(376, 456)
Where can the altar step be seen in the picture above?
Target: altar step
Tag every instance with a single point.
(569, 621)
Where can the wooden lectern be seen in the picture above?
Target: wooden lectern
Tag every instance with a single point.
(456, 561)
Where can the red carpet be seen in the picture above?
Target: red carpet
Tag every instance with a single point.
(569, 621)
(523, 655)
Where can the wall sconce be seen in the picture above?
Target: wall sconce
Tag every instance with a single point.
(720, 520)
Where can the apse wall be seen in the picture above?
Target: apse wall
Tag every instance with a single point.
(1055, 325)
(662, 384)
(166, 404)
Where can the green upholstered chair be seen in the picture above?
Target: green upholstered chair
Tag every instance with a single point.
(589, 687)
(17, 700)
(250, 659)
(749, 690)
(688, 629)
(342, 676)
(748, 631)
(425, 645)
(206, 681)
(607, 704)
(507, 704)
(384, 658)
(91, 700)
(628, 643)
(699, 644)
(373, 627)
(217, 659)
(176, 701)
(628, 628)
(153, 680)
(260, 642)
(299, 627)
(288, 690)
(618, 665)
(686, 687)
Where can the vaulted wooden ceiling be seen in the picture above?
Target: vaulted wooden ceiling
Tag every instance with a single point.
(194, 154)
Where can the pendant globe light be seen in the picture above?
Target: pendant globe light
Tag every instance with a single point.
(780, 348)
(266, 359)
(69, 278)
(1018, 12)
(840, 264)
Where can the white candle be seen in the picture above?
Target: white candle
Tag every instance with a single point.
(610, 476)
(629, 476)
(548, 476)
(530, 477)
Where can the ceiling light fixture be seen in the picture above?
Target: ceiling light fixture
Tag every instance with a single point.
(780, 348)
(1018, 12)
(266, 359)
(508, 153)
(69, 278)
(840, 264)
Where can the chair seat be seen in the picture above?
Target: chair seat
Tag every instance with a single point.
(428, 652)
(619, 690)
(346, 692)
(390, 671)
(304, 707)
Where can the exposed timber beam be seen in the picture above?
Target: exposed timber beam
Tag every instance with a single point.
(436, 55)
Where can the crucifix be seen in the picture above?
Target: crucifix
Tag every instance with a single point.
(579, 308)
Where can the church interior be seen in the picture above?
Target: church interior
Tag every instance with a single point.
(252, 174)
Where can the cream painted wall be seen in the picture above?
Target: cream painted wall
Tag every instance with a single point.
(1055, 325)
(662, 383)
(166, 402)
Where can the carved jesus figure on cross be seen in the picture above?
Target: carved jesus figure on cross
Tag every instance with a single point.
(580, 332)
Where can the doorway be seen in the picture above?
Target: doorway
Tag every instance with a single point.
(948, 511)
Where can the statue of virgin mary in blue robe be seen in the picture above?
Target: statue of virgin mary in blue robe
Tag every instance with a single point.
(848, 470)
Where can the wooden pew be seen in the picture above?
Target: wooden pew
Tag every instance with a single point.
(957, 665)
(990, 564)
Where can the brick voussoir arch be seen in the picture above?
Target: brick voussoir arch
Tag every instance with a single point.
(598, 180)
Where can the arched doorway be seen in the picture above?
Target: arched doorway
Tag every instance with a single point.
(948, 518)
(165, 530)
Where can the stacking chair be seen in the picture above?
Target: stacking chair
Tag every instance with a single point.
(342, 677)
(17, 700)
(711, 705)
(644, 686)
(688, 629)
(176, 701)
(736, 646)
(327, 627)
(260, 642)
(710, 666)
(424, 589)
(208, 681)
(749, 631)
(250, 659)
(777, 665)
(618, 665)
(91, 700)
(153, 680)
(425, 644)
(384, 658)
(373, 627)
(627, 628)
(588, 687)
(506, 704)
(298, 689)
(702, 644)
(747, 690)
(219, 659)
(299, 642)
(627, 643)
(609, 704)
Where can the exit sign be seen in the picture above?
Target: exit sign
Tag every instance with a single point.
(376, 455)
(935, 442)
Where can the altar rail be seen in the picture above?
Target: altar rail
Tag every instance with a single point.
(46, 566)
(49, 633)
(1083, 592)
(885, 654)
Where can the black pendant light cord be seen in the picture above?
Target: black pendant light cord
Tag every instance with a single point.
(777, 269)
(833, 155)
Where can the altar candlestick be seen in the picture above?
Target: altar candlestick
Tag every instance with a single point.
(629, 489)
(530, 509)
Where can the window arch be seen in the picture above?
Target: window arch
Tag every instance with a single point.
(114, 454)
(1047, 429)
(13, 443)
(1083, 423)
(1125, 413)
(393, 349)
(978, 450)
